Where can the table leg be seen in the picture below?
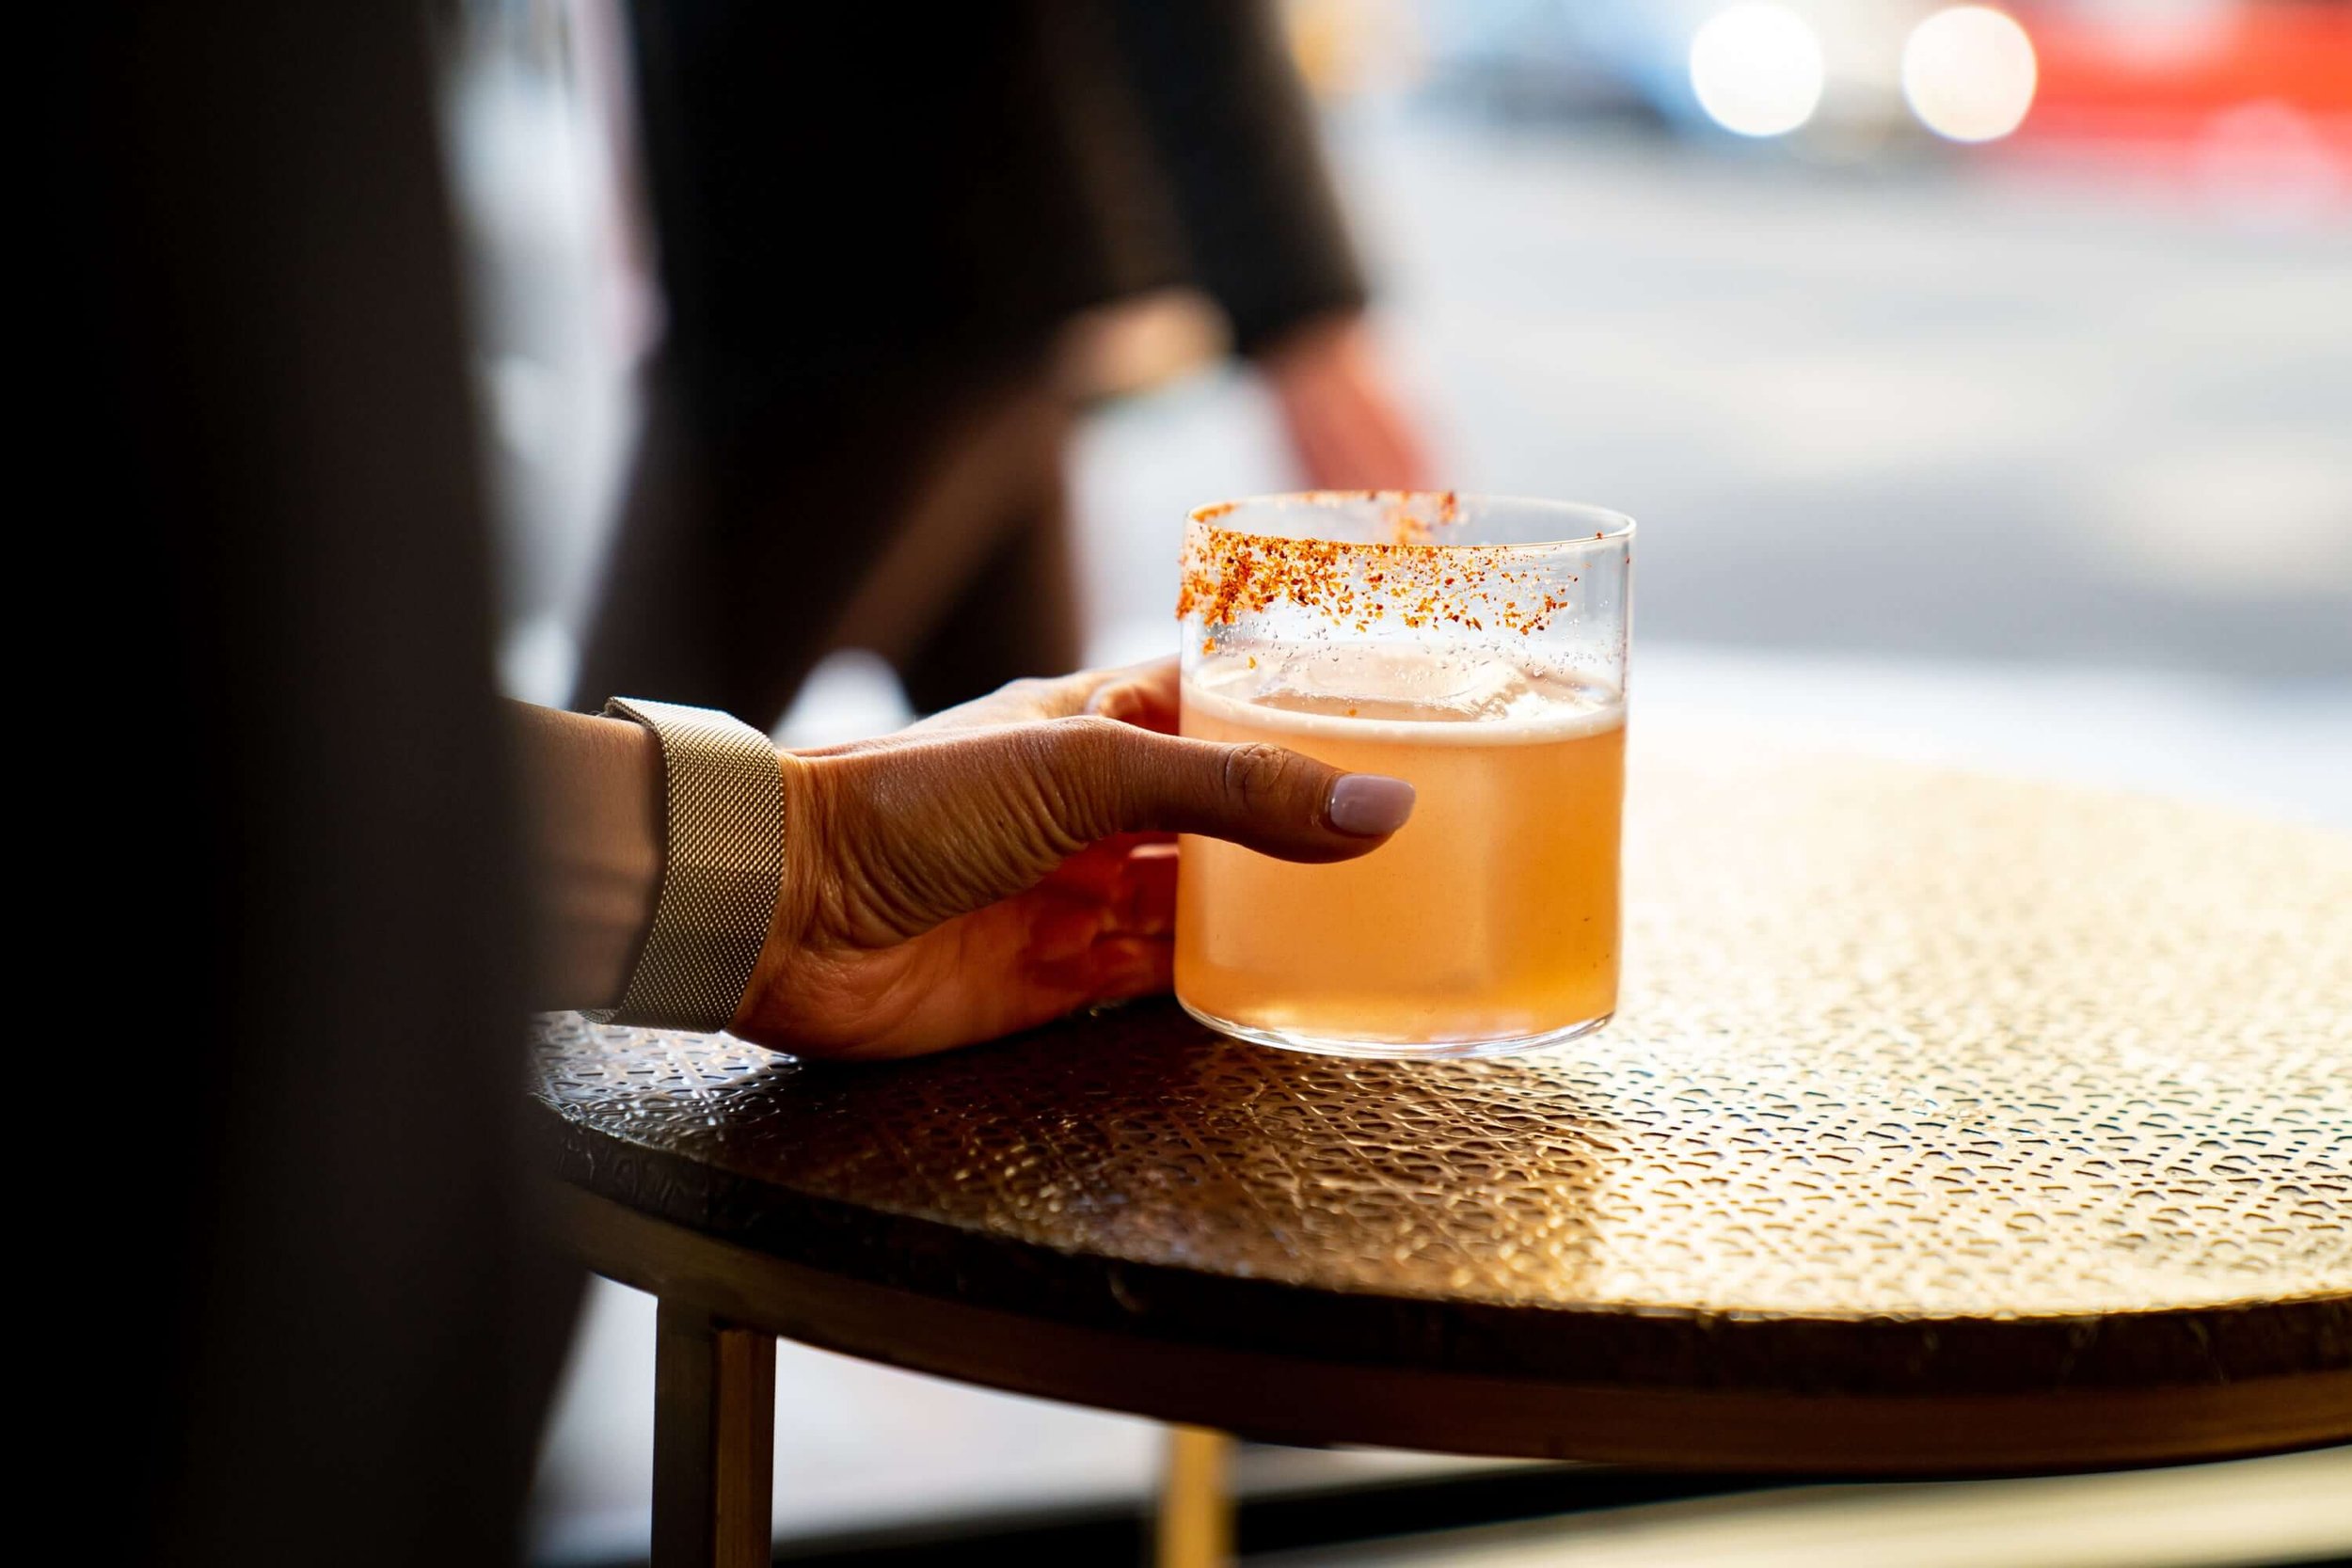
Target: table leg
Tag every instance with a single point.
(714, 1442)
(1196, 1500)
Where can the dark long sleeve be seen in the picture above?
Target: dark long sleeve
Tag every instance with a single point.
(855, 193)
(840, 195)
(1234, 130)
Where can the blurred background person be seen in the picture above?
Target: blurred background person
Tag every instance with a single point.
(893, 258)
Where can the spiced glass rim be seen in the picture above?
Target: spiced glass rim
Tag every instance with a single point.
(1612, 526)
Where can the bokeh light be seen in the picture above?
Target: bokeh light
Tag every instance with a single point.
(1757, 69)
(1969, 74)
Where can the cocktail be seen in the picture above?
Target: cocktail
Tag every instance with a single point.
(1474, 646)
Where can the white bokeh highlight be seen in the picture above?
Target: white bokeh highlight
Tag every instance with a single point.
(1969, 74)
(1758, 69)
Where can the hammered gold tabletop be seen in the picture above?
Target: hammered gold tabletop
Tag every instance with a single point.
(1950, 1123)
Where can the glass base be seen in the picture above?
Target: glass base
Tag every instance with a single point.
(1431, 1051)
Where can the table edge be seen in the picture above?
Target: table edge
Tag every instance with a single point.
(1302, 1400)
(1611, 1347)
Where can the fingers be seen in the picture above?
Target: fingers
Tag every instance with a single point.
(1102, 928)
(1112, 969)
(1014, 703)
(1129, 880)
(1125, 967)
(1114, 778)
(1061, 696)
(1144, 695)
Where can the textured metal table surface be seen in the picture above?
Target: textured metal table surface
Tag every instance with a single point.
(1924, 1082)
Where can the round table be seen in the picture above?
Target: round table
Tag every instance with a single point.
(1950, 1125)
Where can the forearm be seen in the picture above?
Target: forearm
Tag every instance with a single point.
(592, 801)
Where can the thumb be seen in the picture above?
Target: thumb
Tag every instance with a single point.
(932, 827)
(1279, 802)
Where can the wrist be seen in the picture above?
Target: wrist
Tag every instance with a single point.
(722, 863)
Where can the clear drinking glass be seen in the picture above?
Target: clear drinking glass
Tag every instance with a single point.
(1475, 646)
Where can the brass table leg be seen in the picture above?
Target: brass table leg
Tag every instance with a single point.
(1196, 1500)
(714, 1442)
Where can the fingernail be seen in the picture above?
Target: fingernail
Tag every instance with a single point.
(1369, 804)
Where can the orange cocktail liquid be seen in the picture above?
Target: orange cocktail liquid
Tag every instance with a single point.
(1491, 916)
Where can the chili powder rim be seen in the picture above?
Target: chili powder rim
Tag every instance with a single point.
(1449, 505)
(1228, 574)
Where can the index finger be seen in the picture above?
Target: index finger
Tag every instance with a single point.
(1144, 695)
(1022, 702)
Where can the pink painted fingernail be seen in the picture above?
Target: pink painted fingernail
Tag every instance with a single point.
(1369, 804)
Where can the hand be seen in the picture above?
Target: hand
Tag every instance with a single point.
(1007, 860)
(1346, 422)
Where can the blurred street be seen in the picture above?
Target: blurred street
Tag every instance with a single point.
(1912, 415)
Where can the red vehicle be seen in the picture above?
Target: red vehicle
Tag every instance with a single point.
(2173, 83)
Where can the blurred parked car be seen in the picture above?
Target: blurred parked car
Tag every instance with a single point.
(1858, 80)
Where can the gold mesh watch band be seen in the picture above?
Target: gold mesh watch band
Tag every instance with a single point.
(722, 862)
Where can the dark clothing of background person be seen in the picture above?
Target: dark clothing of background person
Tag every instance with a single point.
(308, 1316)
(872, 227)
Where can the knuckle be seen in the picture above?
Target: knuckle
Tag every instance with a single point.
(1114, 701)
(1044, 696)
(1258, 773)
(1090, 737)
(1076, 773)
